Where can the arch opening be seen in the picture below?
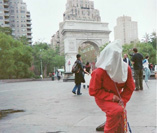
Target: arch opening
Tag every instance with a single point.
(89, 52)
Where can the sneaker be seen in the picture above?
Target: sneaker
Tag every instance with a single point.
(74, 92)
(79, 94)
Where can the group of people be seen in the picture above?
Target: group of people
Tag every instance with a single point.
(139, 64)
(112, 83)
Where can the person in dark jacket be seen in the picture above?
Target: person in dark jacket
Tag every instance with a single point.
(126, 59)
(138, 69)
(79, 76)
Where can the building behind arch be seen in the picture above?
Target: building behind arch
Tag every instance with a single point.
(76, 10)
(126, 30)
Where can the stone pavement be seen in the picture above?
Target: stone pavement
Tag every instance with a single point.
(50, 107)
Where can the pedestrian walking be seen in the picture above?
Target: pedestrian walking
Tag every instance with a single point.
(87, 70)
(126, 59)
(137, 59)
(112, 86)
(58, 75)
(79, 76)
(146, 68)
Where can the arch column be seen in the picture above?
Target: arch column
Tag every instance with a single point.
(70, 49)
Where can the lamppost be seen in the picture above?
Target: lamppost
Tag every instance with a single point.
(41, 75)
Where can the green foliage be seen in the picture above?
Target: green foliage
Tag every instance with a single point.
(102, 47)
(147, 49)
(6, 30)
(24, 40)
(127, 49)
(143, 48)
(49, 57)
(150, 38)
(153, 39)
(15, 58)
(59, 61)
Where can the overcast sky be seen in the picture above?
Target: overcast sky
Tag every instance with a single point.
(46, 15)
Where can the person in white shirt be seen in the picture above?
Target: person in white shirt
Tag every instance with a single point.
(146, 68)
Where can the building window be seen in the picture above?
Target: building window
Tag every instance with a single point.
(12, 25)
(12, 11)
(1, 17)
(22, 7)
(22, 11)
(12, 17)
(23, 30)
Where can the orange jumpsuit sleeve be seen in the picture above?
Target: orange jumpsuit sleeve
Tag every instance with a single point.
(129, 87)
(96, 88)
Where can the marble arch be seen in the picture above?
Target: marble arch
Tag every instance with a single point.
(75, 33)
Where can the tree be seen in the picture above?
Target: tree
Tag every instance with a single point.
(143, 48)
(59, 61)
(153, 39)
(88, 53)
(37, 56)
(15, 58)
(49, 57)
(23, 39)
(147, 49)
(146, 38)
(6, 30)
(103, 46)
(150, 38)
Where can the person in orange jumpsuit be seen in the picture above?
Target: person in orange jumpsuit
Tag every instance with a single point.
(112, 85)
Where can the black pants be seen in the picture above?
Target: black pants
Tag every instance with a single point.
(138, 74)
(58, 77)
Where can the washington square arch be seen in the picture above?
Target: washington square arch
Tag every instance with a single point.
(82, 25)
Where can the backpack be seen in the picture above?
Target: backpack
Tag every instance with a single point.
(75, 68)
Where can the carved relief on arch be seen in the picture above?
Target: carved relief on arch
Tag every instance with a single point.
(72, 46)
(71, 24)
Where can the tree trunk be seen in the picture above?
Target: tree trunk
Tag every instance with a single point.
(45, 71)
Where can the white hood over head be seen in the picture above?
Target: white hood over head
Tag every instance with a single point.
(111, 60)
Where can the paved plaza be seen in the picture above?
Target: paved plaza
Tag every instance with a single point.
(50, 107)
